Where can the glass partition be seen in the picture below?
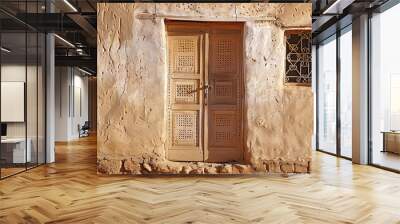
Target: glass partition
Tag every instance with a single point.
(22, 77)
(385, 89)
(13, 94)
(326, 94)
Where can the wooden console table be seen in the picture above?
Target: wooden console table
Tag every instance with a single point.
(391, 141)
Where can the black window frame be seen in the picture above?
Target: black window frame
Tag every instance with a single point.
(337, 34)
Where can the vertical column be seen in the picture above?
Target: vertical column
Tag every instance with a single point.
(338, 91)
(50, 92)
(314, 89)
(360, 90)
(50, 98)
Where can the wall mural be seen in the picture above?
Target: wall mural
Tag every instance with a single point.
(192, 121)
(298, 57)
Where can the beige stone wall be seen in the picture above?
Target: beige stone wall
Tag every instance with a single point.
(132, 87)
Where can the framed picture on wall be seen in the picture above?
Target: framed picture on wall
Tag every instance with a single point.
(298, 57)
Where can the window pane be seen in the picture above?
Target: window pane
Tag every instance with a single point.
(14, 153)
(327, 96)
(385, 89)
(346, 93)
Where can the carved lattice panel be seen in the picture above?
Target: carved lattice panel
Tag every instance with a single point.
(185, 128)
(225, 56)
(298, 57)
(184, 55)
(224, 91)
(184, 91)
(224, 130)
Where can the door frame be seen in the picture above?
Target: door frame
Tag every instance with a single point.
(175, 27)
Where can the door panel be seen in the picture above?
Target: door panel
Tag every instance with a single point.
(224, 101)
(185, 104)
(223, 126)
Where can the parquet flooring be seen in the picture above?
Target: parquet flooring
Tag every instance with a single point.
(10, 171)
(70, 191)
(387, 159)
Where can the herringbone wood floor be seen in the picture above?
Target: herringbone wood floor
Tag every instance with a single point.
(70, 191)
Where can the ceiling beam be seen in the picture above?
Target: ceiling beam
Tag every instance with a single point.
(211, 1)
(337, 7)
(82, 61)
(83, 23)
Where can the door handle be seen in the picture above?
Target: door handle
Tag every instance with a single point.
(205, 87)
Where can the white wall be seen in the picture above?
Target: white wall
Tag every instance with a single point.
(62, 82)
(16, 73)
(12, 73)
(70, 81)
(80, 83)
(33, 127)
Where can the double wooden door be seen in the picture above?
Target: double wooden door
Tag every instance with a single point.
(205, 91)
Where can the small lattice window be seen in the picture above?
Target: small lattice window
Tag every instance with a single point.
(298, 57)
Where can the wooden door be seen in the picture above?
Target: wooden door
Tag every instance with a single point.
(186, 74)
(205, 92)
(224, 101)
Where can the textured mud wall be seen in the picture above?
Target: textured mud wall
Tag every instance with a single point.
(132, 80)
